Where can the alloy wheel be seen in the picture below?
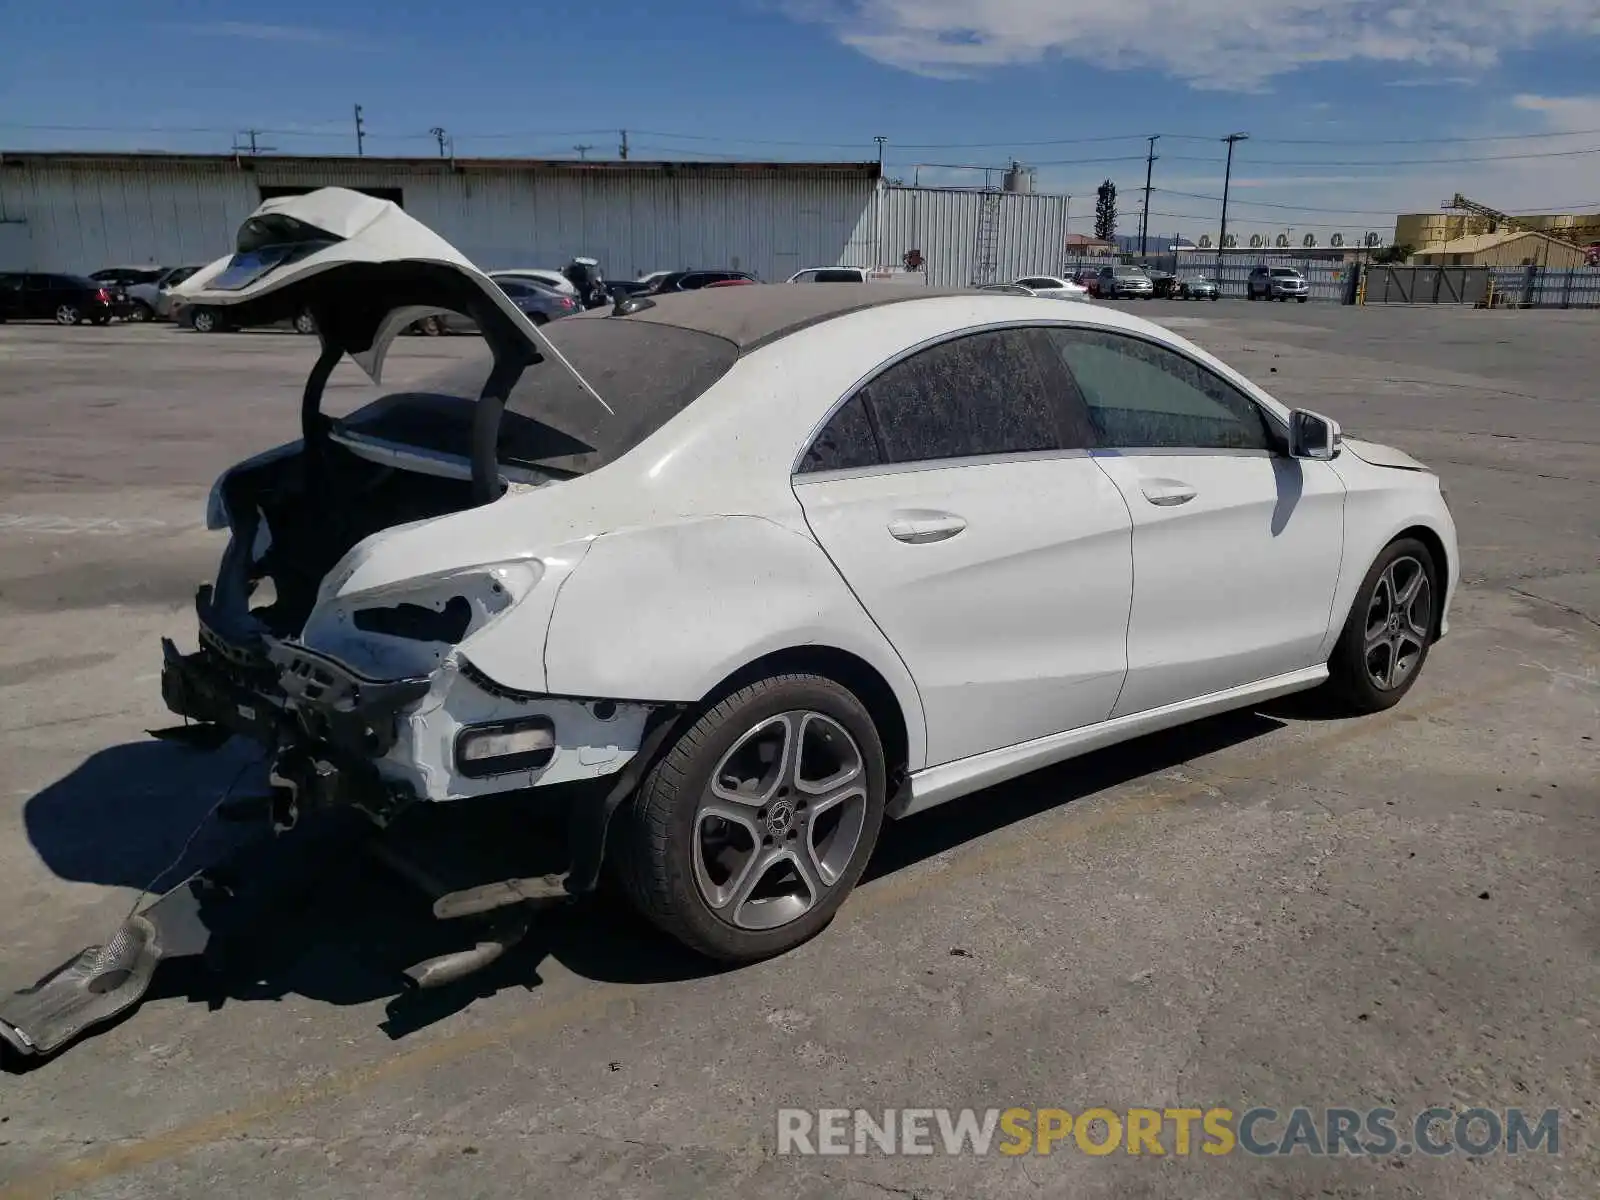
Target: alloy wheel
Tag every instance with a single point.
(780, 820)
(67, 315)
(1399, 621)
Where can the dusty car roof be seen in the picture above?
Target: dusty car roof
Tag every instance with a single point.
(753, 316)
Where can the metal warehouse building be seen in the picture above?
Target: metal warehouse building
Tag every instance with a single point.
(75, 211)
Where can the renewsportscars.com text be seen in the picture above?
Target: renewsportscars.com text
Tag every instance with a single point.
(1259, 1131)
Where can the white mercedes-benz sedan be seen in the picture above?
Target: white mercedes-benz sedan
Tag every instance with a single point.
(767, 565)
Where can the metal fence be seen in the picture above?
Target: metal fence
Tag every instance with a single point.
(1327, 280)
(1542, 287)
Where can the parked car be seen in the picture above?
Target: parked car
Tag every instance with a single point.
(1117, 283)
(554, 280)
(211, 318)
(540, 303)
(689, 281)
(1163, 284)
(152, 300)
(1198, 287)
(1051, 287)
(51, 296)
(626, 287)
(698, 601)
(735, 283)
(1277, 283)
(883, 275)
(1009, 289)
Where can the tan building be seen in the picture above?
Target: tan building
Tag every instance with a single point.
(1427, 230)
(1501, 250)
(1083, 246)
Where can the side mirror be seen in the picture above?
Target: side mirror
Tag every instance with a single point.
(1312, 435)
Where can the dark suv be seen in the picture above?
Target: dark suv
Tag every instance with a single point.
(45, 296)
(693, 281)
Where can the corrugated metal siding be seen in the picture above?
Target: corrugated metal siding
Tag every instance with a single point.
(1030, 232)
(82, 218)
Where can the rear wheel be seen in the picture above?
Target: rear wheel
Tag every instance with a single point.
(68, 314)
(141, 312)
(1390, 627)
(751, 830)
(100, 319)
(205, 321)
(1302, 299)
(304, 322)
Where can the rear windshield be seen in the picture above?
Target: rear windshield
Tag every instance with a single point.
(647, 372)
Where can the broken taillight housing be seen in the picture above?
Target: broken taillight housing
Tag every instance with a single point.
(503, 747)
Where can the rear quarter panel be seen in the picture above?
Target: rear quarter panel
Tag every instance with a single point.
(668, 612)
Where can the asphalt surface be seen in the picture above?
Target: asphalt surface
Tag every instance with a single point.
(1275, 908)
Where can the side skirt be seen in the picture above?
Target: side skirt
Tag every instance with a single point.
(933, 786)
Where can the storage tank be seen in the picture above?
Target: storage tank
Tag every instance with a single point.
(1018, 178)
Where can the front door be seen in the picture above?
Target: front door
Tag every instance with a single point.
(1236, 546)
(963, 510)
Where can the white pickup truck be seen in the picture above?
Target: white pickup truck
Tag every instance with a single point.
(893, 275)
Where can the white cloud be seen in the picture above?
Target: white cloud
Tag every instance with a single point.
(1226, 44)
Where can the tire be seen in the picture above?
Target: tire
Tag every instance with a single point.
(141, 313)
(1356, 674)
(203, 320)
(68, 314)
(1302, 299)
(1215, 296)
(305, 323)
(732, 888)
(100, 319)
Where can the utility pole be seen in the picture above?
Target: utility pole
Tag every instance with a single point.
(880, 139)
(361, 134)
(1227, 178)
(1144, 217)
(254, 148)
(439, 136)
(583, 151)
(622, 150)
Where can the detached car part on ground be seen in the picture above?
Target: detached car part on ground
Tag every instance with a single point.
(687, 556)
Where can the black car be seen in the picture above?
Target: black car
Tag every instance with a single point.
(693, 281)
(1165, 284)
(47, 296)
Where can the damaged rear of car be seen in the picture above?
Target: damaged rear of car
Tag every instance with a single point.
(379, 678)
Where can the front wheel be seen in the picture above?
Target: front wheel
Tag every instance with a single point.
(1302, 299)
(752, 829)
(204, 321)
(1390, 627)
(141, 312)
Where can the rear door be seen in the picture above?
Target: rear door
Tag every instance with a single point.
(1236, 546)
(955, 495)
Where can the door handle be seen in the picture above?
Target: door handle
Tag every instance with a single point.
(1167, 492)
(924, 528)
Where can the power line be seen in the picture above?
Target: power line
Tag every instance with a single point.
(1403, 162)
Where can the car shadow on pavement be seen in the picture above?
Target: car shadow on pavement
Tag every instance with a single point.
(346, 932)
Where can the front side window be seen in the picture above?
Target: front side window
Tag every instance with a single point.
(1144, 396)
(985, 393)
(843, 275)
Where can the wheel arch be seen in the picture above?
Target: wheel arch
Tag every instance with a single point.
(848, 670)
(1430, 538)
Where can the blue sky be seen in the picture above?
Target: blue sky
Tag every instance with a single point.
(1330, 91)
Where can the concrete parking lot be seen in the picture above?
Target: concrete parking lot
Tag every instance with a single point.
(1272, 908)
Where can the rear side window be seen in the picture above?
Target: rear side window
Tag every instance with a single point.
(985, 393)
(838, 277)
(1143, 396)
(846, 441)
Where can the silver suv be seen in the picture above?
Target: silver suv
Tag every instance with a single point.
(1277, 283)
